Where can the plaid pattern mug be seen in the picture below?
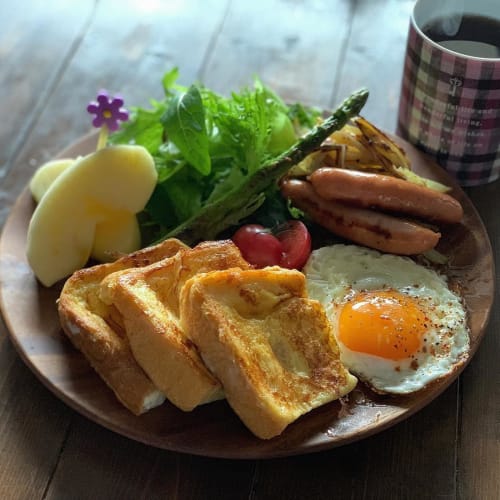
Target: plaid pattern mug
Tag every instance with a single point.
(450, 101)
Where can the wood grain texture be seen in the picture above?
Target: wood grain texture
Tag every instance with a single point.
(273, 40)
(479, 424)
(33, 427)
(374, 56)
(315, 51)
(33, 63)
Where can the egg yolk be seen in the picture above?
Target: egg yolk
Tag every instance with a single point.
(383, 323)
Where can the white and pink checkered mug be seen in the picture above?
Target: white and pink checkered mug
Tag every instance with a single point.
(450, 101)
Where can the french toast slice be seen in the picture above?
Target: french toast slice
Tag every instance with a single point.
(271, 347)
(148, 300)
(96, 329)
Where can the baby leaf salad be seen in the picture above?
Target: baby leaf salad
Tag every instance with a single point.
(219, 158)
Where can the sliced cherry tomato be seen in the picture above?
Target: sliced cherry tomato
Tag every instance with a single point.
(296, 244)
(258, 245)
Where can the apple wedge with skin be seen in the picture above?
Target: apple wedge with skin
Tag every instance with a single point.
(112, 184)
(44, 177)
(120, 233)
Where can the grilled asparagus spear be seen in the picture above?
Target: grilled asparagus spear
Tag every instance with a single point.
(244, 200)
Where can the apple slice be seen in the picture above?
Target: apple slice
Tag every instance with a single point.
(120, 234)
(98, 189)
(46, 175)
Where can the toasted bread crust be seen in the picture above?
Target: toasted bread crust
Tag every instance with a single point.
(271, 347)
(148, 300)
(96, 329)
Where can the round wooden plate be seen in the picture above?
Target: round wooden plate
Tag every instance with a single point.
(30, 312)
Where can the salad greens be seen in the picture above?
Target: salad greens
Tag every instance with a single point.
(218, 158)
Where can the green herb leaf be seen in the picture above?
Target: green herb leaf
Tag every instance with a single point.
(219, 158)
(184, 123)
(169, 80)
(304, 116)
(249, 196)
(144, 129)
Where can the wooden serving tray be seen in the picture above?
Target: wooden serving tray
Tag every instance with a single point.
(29, 310)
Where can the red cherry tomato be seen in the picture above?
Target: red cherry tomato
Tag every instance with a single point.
(258, 245)
(296, 244)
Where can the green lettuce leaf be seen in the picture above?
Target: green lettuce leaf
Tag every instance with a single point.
(184, 124)
(206, 145)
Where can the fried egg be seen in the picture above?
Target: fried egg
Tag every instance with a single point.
(398, 325)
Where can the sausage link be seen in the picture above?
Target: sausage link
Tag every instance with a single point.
(366, 227)
(386, 193)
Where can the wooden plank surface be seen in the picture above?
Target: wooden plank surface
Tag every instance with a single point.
(374, 56)
(273, 40)
(314, 51)
(35, 49)
(479, 419)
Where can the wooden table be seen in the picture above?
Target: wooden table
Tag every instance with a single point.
(54, 57)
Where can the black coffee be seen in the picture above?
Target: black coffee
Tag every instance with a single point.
(470, 35)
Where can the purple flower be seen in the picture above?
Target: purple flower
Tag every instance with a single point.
(108, 111)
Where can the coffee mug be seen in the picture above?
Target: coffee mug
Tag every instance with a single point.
(450, 96)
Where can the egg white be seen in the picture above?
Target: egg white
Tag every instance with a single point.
(337, 273)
